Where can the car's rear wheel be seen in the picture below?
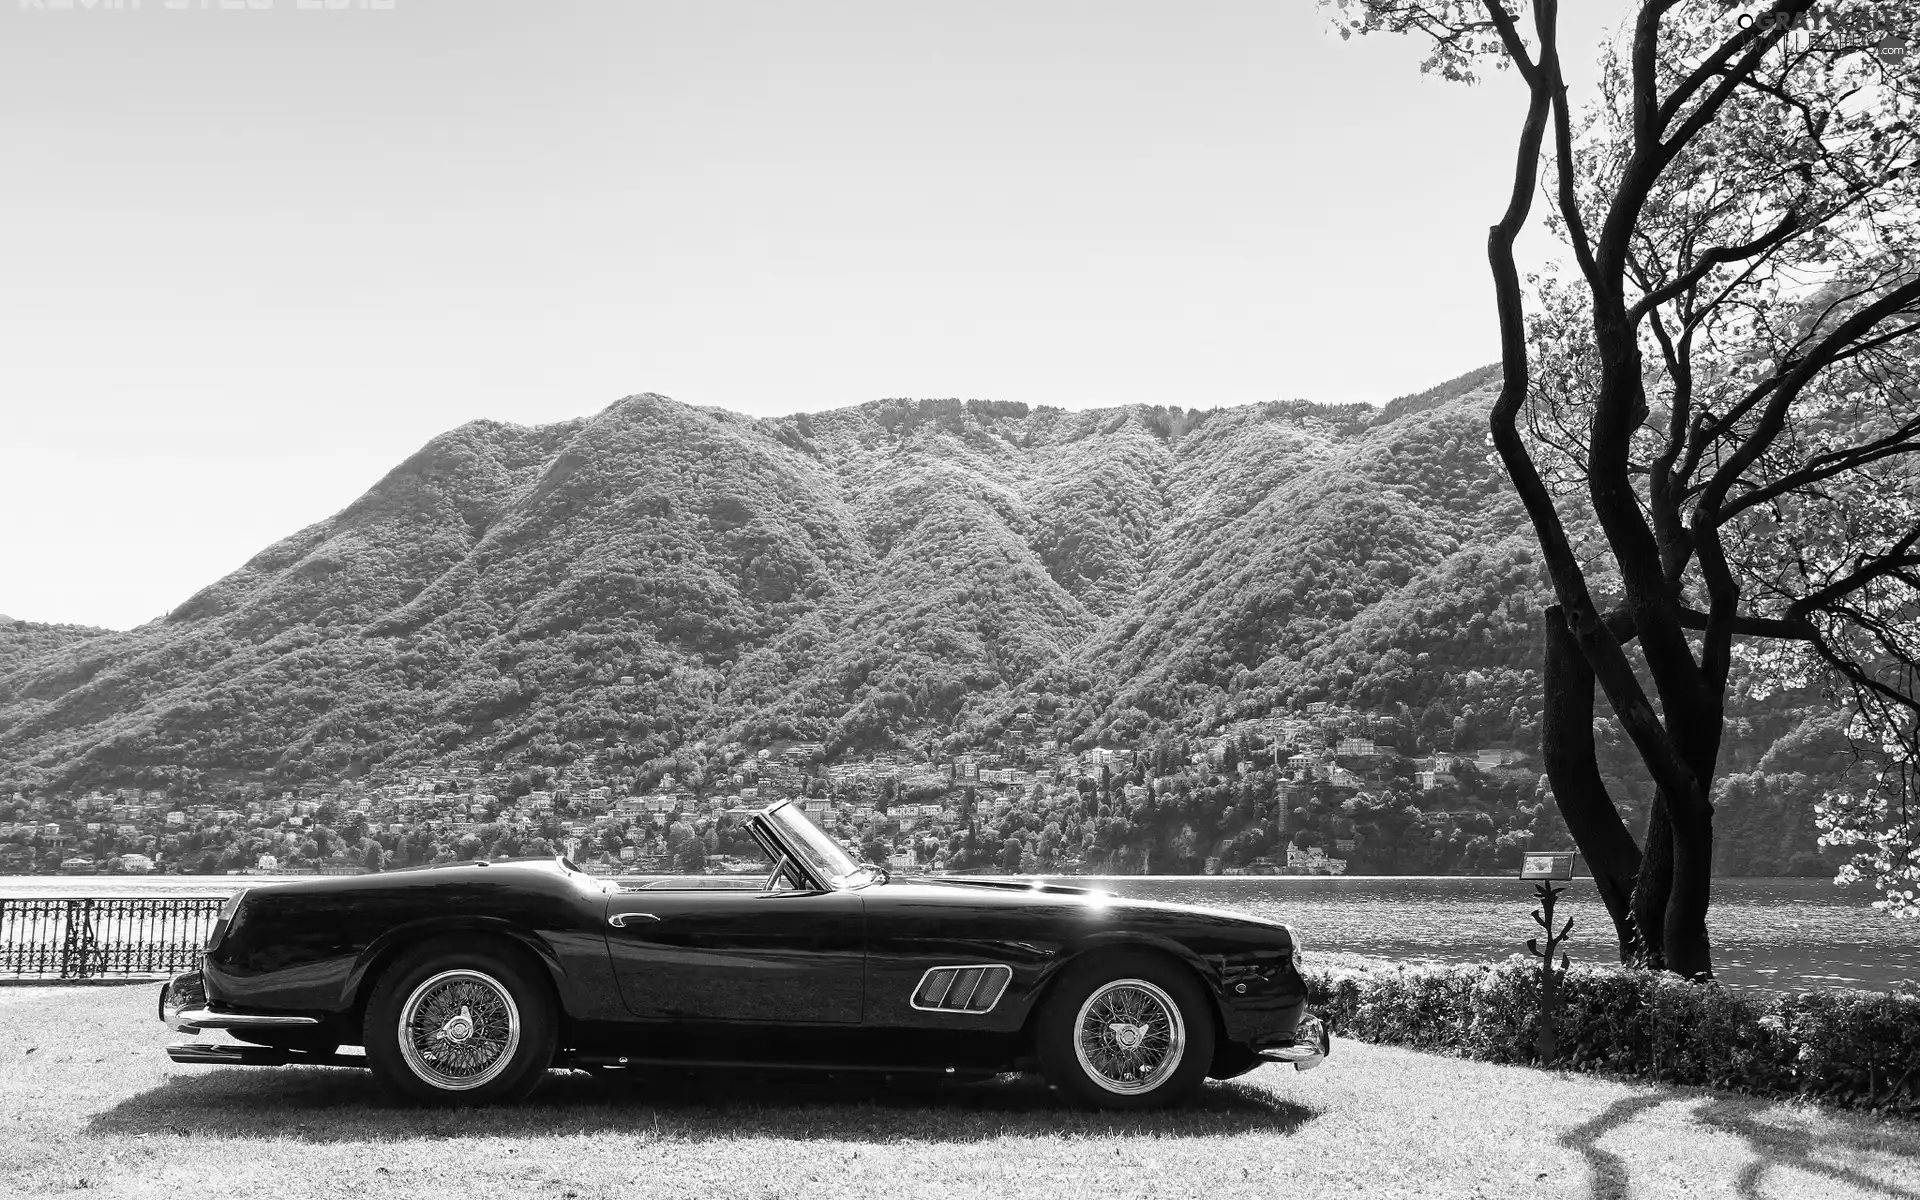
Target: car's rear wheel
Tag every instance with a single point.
(1126, 1031)
(453, 1024)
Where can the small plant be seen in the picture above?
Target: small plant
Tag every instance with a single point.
(1545, 1040)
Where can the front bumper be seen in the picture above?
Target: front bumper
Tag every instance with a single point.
(1308, 1048)
(184, 1008)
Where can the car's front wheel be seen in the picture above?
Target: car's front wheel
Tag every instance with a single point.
(1126, 1031)
(449, 1024)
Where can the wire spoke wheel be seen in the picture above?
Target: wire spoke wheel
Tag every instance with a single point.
(459, 1029)
(1129, 1036)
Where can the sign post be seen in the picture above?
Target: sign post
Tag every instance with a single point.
(1546, 867)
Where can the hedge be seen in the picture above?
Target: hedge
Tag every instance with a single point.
(1853, 1048)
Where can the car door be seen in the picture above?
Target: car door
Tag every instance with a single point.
(787, 955)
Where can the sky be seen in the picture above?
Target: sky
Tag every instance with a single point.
(254, 258)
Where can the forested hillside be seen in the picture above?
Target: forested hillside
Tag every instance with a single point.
(896, 574)
(22, 641)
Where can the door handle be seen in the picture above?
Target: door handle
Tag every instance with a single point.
(619, 920)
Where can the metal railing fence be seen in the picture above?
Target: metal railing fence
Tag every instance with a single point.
(75, 938)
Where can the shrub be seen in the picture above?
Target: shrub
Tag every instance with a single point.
(1853, 1048)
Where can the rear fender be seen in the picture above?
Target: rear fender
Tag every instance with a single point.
(390, 945)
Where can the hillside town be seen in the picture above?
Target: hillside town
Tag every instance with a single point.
(1297, 794)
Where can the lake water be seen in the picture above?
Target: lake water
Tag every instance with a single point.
(1767, 933)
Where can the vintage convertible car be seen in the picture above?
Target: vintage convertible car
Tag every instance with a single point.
(466, 983)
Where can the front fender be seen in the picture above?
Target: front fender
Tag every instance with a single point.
(1255, 993)
(1121, 939)
(1078, 951)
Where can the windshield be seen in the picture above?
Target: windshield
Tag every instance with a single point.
(821, 853)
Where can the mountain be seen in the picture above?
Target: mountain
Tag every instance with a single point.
(24, 641)
(895, 573)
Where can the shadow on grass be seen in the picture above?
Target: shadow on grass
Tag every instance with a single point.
(322, 1105)
(1610, 1177)
(1832, 1151)
(1817, 1149)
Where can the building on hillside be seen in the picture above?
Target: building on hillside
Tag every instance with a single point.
(1313, 860)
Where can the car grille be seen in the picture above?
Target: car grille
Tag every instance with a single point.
(972, 989)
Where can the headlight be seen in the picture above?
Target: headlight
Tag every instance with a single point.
(228, 912)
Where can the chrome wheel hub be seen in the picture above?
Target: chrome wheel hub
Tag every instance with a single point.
(459, 1027)
(459, 1030)
(1130, 1036)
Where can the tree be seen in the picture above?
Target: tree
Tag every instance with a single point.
(690, 856)
(1713, 425)
(679, 833)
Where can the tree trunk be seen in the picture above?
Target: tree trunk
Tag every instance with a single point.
(1566, 743)
(1687, 950)
(1654, 886)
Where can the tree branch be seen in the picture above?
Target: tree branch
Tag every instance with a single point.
(1620, 622)
(1826, 466)
(1896, 559)
(1787, 387)
(1715, 257)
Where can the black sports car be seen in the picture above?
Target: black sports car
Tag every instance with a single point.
(465, 983)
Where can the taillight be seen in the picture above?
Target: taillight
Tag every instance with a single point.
(227, 913)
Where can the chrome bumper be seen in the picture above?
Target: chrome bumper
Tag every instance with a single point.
(184, 1009)
(1310, 1046)
(208, 1055)
(179, 994)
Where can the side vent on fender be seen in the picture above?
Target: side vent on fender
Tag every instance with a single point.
(971, 989)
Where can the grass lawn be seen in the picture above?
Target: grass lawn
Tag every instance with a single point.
(89, 1103)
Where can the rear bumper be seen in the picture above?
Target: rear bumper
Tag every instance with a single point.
(1307, 1049)
(179, 994)
(208, 1054)
(184, 1008)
